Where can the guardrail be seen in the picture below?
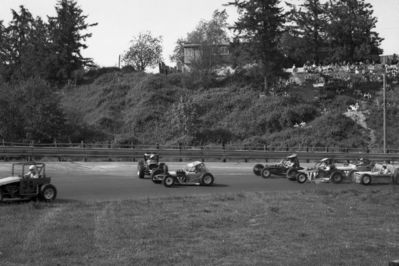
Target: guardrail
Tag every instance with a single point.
(205, 154)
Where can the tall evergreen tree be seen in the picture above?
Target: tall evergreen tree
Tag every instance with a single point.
(309, 23)
(351, 31)
(260, 25)
(68, 33)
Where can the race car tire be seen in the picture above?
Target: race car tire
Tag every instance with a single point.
(337, 178)
(207, 180)
(301, 178)
(154, 174)
(48, 193)
(266, 173)
(258, 169)
(395, 176)
(291, 174)
(140, 169)
(366, 180)
(168, 181)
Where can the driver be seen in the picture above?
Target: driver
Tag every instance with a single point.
(385, 170)
(33, 173)
(326, 164)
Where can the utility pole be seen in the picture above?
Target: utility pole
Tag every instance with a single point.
(119, 61)
(384, 106)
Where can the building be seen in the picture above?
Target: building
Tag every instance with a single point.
(194, 52)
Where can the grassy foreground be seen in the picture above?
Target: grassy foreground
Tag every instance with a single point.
(352, 227)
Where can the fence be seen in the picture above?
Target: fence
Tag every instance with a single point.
(84, 151)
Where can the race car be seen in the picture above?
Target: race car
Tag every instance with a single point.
(287, 167)
(363, 164)
(194, 173)
(150, 165)
(379, 174)
(325, 170)
(23, 184)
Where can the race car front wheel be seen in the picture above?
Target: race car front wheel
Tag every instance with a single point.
(258, 169)
(301, 178)
(266, 173)
(168, 181)
(366, 180)
(207, 180)
(291, 174)
(337, 178)
(48, 193)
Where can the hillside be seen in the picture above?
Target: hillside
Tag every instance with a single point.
(151, 108)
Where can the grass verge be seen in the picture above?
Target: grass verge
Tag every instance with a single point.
(350, 227)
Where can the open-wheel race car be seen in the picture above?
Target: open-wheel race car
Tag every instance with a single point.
(194, 173)
(325, 171)
(27, 181)
(287, 167)
(361, 165)
(379, 174)
(150, 165)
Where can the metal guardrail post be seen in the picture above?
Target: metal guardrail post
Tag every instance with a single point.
(224, 152)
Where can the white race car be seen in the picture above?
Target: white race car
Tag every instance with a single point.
(194, 173)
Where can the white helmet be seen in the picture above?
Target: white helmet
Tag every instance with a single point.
(32, 167)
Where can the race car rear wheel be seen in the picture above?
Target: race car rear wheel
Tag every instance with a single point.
(301, 178)
(48, 193)
(258, 169)
(168, 181)
(266, 173)
(366, 180)
(291, 174)
(140, 169)
(337, 178)
(207, 180)
(154, 174)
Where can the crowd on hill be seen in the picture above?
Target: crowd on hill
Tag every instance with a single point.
(368, 71)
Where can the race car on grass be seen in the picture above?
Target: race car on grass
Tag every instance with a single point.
(379, 174)
(287, 167)
(150, 165)
(27, 185)
(325, 171)
(194, 173)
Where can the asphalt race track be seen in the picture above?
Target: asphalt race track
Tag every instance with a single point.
(99, 181)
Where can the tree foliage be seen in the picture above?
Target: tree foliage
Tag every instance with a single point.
(309, 23)
(31, 47)
(260, 26)
(31, 110)
(145, 51)
(68, 34)
(351, 30)
(208, 35)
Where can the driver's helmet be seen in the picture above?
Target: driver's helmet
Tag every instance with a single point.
(32, 167)
(292, 157)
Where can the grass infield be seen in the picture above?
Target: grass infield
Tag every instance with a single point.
(349, 227)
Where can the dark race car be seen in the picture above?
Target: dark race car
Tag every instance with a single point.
(150, 165)
(288, 167)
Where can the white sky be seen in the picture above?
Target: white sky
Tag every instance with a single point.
(120, 20)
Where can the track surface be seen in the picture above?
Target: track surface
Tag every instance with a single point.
(99, 181)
